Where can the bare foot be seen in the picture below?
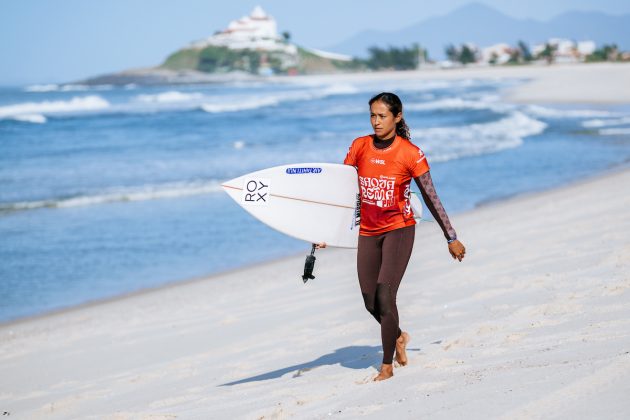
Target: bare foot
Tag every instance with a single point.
(387, 371)
(401, 348)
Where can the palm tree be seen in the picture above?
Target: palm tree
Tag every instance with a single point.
(548, 53)
(451, 52)
(525, 53)
(467, 55)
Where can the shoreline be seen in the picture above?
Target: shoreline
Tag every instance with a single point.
(140, 292)
(558, 83)
(95, 303)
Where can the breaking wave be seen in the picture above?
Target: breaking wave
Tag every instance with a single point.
(52, 87)
(36, 111)
(172, 96)
(448, 143)
(112, 195)
(615, 131)
(546, 112)
(596, 123)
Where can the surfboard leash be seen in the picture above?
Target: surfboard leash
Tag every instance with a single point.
(309, 265)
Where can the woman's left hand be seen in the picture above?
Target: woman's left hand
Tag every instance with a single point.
(457, 250)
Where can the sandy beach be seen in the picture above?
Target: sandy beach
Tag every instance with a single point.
(534, 323)
(594, 83)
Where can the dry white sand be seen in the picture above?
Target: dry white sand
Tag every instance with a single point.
(593, 83)
(534, 323)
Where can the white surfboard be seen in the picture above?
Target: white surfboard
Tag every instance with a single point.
(314, 202)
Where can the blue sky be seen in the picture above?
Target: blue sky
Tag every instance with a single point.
(43, 41)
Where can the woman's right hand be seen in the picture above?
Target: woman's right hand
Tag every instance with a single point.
(457, 250)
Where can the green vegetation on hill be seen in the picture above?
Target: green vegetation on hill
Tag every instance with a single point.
(404, 58)
(182, 59)
(223, 59)
(309, 62)
(214, 59)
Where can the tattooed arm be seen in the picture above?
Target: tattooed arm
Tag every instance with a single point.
(425, 183)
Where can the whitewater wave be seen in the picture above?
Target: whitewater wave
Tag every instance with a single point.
(172, 96)
(244, 105)
(489, 102)
(622, 131)
(36, 111)
(150, 192)
(449, 143)
(596, 123)
(52, 87)
(169, 101)
(235, 104)
(545, 112)
(31, 118)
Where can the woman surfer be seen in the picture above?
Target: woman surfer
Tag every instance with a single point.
(386, 162)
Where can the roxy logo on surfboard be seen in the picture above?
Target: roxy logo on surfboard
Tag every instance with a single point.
(255, 191)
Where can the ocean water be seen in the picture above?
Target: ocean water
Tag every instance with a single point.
(107, 190)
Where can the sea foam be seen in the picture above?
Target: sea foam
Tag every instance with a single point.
(172, 96)
(121, 194)
(449, 143)
(596, 123)
(546, 112)
(242, 105)
(65, 88)
(622, 131)
(25, 111)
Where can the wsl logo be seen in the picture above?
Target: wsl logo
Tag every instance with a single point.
(299, 171)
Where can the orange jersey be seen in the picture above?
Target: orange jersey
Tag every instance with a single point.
(384, 178)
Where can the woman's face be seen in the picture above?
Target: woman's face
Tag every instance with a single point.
(383, 121)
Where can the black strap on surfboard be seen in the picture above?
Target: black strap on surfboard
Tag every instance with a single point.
(309, 265)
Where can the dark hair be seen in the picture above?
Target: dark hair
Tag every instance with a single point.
(395, 106)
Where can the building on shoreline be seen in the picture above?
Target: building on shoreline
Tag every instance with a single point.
(566, 50)
(258, 31)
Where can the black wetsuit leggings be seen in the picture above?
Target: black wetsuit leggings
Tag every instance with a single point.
(381, 262)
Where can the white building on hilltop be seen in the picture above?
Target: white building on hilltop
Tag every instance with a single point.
(258, 31)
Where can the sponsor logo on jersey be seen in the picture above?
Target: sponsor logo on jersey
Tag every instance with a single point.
(377, 161)
(298, 171)
(378, 191)
(357, 213)
(407, 210)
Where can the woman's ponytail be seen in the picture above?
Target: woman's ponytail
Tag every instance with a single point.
(402, 129)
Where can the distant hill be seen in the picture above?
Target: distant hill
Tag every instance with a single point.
(213, 59)
(219, 65)
(484, 26)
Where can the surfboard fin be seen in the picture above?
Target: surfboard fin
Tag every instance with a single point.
(309, 265)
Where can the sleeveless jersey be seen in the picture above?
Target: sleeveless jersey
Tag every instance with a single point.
(384, 178)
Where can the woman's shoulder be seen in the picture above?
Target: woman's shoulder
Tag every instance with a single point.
(363, 139)
(361, 142)
(409, 145)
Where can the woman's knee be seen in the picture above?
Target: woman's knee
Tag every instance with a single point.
(384, 299)
(370, 303)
